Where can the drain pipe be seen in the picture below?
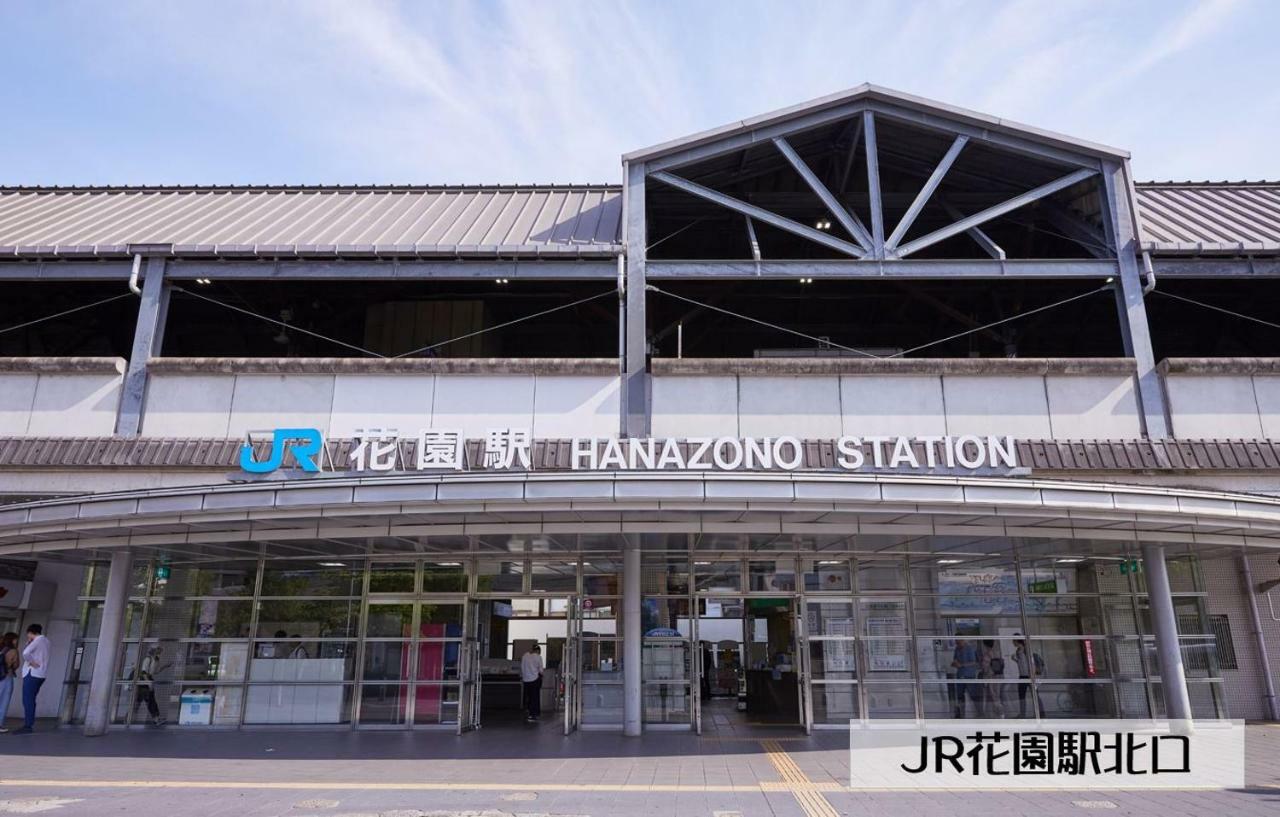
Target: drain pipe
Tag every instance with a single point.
(133, 275)
(1259, 641)
(1149, 286)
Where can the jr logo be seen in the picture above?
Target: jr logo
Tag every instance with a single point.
(305, 443)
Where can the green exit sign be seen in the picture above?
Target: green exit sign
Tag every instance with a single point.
(1130, 566)
(162, 573)
(1046, 586)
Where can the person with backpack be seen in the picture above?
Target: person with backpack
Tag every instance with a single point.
(9, 663)
(151, 667)
(1026, 661)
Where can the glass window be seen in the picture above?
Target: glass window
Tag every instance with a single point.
(663, 576)
(664, 617)
(1085, 658)
(600, 577)
(600, 608)
(1064, 615)
(389, 620)
(386, 661)
(891, 700)
(831, 618)
(554, 577)
(770, 576)
(302, 661)
(444, 577)
(435, 703)
(385, 704)
(499, 577)
(440, 620)
(437, 660)
(881, 575)
(717, 576)
(391, 577)
(221, 579)
(304, 579)
(826, 575)
(1079, 700)
(206, 660)
(667, 703)
(834, 660)
(91, 619)
(209, 618)
(835, 703)
(292, 619)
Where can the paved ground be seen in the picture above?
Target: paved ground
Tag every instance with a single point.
(521, 770)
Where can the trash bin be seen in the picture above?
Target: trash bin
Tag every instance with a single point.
(196, 707)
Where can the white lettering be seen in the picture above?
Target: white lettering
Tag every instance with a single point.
(671, 455)
(700, 446)
(612, 455)
(724, 462)
(948, 448)
(850, 453)
(590, 453)
(1005, 453)
(930, 450)
(877, 452)
(759, 453)
(640, 452)
(796, 450)
(976, 442)
(902, 452)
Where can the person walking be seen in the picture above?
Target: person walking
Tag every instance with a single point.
(1027, 662)
(9, 664)
(151, 667)
(34, 671)
(531, 678)
(965, 662)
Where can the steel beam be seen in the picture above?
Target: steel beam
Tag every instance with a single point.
(905, 269)
(1076, 229)
(752, 240)
(1120, 223)
(922, 198)
(635, 380)
(1248, 267)
(873, 185)
(998, 210)
(148, 336)
(759, 214)
(847, 220)
(1173, 675)
(923, 117)
(97, 714)
(988, 245)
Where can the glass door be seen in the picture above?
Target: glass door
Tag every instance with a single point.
(412, 657)
(803, 675)
(469, 672)
(571, 665)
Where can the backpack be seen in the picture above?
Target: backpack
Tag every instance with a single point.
(997, 666)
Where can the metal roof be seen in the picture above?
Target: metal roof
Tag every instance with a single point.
(556, 221)
(1193, 218)
(880, 93)
(1177, 218)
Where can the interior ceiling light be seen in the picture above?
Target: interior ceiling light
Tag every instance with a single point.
(950, 561)
(1070, 561)
(203, 281)
(333, 564)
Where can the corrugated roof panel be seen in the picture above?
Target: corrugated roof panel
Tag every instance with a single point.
(380, 219)
(1210, 217)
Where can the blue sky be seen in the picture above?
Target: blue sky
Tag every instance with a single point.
(251, 91)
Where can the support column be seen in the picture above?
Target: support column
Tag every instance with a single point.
(148, 334)
(1121, 228)
(1259, 638)
(635, 378)
(632, 691)
(1173, 676)
(97, 714)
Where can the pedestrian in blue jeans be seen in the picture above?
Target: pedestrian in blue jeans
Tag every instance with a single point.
(9, 664)
(35, 667)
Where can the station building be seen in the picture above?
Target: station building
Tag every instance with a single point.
(779, 429)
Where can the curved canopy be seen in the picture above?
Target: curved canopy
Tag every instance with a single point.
(403, 513)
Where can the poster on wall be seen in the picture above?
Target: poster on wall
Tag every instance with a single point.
(994, 591)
